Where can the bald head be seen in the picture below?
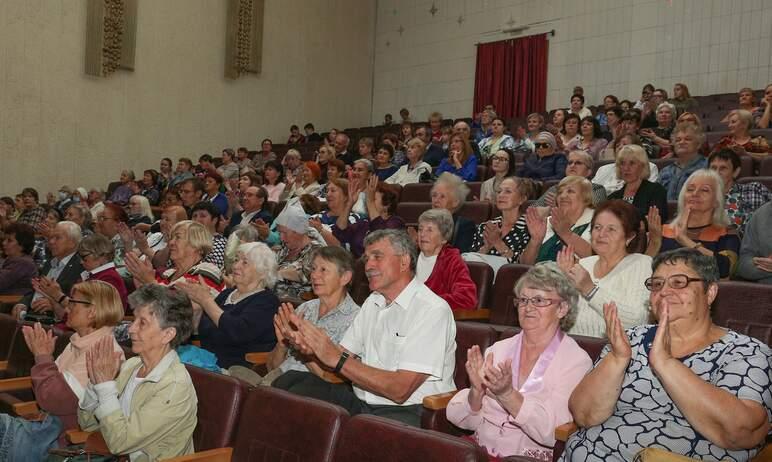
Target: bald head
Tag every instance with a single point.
(462, 128)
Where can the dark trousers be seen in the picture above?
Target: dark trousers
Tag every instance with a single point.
(308, 384)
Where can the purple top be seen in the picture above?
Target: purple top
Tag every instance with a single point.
(353, 237)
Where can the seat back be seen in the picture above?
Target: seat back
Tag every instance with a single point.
(277, 425)
(482, 275)
(765, 168)
(759, 331)
(220, 399)
(502, 308)
(416, 192)
(592, 345)
(477, 211)
(469, 334)
(744, 304)
(360, 286)
(8, 330)
(375, 439)
(410, 211)
(21, 359)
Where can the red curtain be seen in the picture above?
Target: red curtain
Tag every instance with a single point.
(512, 74)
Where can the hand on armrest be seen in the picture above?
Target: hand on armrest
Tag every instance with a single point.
(438, 401)
(76, 436)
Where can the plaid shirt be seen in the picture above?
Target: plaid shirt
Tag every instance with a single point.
(673, 177)
(33, 216)
(742, 200)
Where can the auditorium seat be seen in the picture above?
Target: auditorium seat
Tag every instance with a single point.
(375, 439)
(746, 166)
(740, 304)
(482, 173)
(502, 298)
(672, 209)
(360, 286)
(416, 192)
(474, 189)
(765, 180)
(8, 331)
(220, 400)
(277, 425)
(765, 166)
(410, 211)
(482, 275)
(477, 211)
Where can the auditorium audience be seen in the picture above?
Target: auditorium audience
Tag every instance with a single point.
(740, 139)
(615, 273)
(239, 319)
(766, 105)
(149, 186)
(519, 389)
(389, 378)
(415, 169)
(577, 106)
(305, 183)
(702, 223)
(461, 160)
(570, 131)
(295, 136)
(682, 100)
(741, 199)
(568, 223)
(660, 134)
(609, 103)
(123, 191)
(32, 213)
(439, 264)
(449, 192)
(497, 140)
(687, 139)
(253, 207)
(633, 169)
(579, 163)
(383, 166)
(273, 175)
(546, 164)
(139, 211)
(755, 263)
(206, 214)
(212, 185)
(502, 166)
(503, 239)
(145, 407)
(17, 268)
(294, 254)
(694, 388)
(590, 139)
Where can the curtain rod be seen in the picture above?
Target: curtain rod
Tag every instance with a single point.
(550, 33)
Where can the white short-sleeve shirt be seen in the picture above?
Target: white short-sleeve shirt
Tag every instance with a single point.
(416, 332)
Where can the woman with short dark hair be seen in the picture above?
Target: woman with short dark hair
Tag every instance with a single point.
(18, 268)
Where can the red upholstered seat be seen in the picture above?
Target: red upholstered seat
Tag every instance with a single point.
(482, 275)
(477, 211)
(416, 192)
(744, 306)
(376, 439)
(502, 308)
(410, 211)
(220, 400)
(276, 425)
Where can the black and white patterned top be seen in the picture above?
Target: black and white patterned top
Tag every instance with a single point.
(645, 416)
(216, 256)
(516, 239)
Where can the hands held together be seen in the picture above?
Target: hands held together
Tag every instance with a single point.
(305, 337)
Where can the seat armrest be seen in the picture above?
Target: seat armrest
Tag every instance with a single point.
(257, 358)
(438, 401)
(19, 383)
(331, 377)
(482, 314)
(11, 299)
(76, 436)
(26, 408)
(128, 318)
(3, 365)
(562, 432)
(212, 455)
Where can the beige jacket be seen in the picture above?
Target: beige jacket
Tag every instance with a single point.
(162, 411)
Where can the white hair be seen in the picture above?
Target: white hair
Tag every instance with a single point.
(144, 206)
(71, 229)
(720, 217)
(263, 259)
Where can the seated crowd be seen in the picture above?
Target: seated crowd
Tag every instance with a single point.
(627, 218)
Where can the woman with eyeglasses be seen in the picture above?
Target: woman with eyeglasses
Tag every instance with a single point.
(701, 223)
(93, 309)
(614, 273)
(503, 166)
(683, 384)
(519, 389)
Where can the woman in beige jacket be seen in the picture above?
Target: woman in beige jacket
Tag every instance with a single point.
(149, 411)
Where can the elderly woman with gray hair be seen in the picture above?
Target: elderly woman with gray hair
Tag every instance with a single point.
(449, 192)
(661, 134)
(519, 391)
(146, 407)
(546, 164)
(240, 319)
(440, 265)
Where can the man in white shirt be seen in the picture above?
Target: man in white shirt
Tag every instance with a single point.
(399, 349)
(577, 106)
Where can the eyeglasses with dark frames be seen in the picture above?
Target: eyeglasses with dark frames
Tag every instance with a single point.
(541, 145)
(675, 281)
(78, 302)
(538, 302)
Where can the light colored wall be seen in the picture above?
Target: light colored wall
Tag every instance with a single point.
(59, 126)
(607, 46)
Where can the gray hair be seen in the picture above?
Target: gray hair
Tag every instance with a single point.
(338, 256)
(705, 266)
(263, 259)
(547, 276)
(586, 158)
(685, 127)
(399, 240)
(85, 214)
(172, 308)
(97, 245)
(241, 234)
(457, 186)
(719, 217)
(636, 153)
(129, 173)
(670, 106)
(366, 162)
(72, 230)
(442, 219)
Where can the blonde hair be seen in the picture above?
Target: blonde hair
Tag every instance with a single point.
(720, 217)
(196, 234)
(417, 142)
(105, 300)
(636, 153)
(144, 206)
(585, 187)
(745, 116)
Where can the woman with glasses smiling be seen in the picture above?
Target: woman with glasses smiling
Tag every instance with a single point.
(503, 166)
(613, 273)
(519, 391)
(683, 384)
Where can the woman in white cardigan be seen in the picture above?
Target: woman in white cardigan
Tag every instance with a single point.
(613, 274)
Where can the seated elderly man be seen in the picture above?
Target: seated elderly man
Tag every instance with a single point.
(400, 348)
(683, 384)
(580, 163)
(755, 263)
(64, 268)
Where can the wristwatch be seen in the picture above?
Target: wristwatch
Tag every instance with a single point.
(343, 357)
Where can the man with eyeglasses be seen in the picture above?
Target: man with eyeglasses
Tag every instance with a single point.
(697, 389)
(191, 192)
(252, 209)
(579, 164)
(64, 268)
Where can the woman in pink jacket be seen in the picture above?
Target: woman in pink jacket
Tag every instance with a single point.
(519, 392)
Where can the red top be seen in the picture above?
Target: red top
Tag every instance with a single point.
(450, 280)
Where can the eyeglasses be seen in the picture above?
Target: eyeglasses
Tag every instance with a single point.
(575, 162)
(676, 281)
(501, 159)
(542, 145)
(81, 302)
(103, 218)
(538, 302)
(84, 255)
